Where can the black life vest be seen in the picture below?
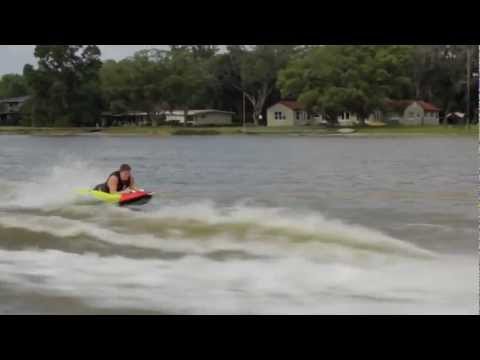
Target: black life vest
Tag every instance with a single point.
(122, 185)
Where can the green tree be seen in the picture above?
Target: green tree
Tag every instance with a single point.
(186, 80)
(253, 71)
(13, 85)
(439, 73)
(65, 85)
(333, 79)
(219, 92)
(198, 51)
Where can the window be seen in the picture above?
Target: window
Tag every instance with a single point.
(297, 115)
(279, 115)
(347, 115)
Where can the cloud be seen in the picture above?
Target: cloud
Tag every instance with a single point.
(14, 57)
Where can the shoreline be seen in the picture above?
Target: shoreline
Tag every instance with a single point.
(250, 131)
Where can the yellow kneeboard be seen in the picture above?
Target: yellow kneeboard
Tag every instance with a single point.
(102, 196)
(121, 199)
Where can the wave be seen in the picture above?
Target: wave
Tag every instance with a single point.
(198, 285)
(204, 228)
(203, 257)
(47, 206)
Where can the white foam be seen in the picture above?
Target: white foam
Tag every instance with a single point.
(266, 232)
(283, 286)
(57, 186)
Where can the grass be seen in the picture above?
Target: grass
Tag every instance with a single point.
(18, 130)
(458, 130)
(193, 131)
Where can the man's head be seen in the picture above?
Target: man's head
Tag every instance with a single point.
(125, 172)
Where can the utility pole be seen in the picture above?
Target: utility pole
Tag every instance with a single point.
(469, 76)
(244, 123)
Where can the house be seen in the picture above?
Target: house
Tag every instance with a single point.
(405, 112)
(287, 113)
(292, 113)
(131, 118)
(411, 112)
(345, 118)
(10, 113)
(200, 117)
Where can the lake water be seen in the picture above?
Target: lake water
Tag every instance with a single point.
(241, 225)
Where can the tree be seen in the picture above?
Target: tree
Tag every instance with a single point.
(65, 85)
(333, 79)
(13, 85)
(187, 78)
(219, 92)
(440, 75)
(198, 51)
(253, 71)
(204, 51)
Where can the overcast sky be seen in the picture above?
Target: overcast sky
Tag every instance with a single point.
(14, 57)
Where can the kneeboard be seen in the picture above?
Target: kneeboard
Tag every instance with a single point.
(135, 198)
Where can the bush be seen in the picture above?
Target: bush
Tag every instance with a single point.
(195, 132)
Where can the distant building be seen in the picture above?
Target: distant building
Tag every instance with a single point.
(346, 118)
(406, 112)
(10, 110)
(292, 113)
(287, 113)
(131, 118)
(200, 117)
(411, 112)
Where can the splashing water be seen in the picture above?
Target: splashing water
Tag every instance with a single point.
(203, 257)
(55, 187)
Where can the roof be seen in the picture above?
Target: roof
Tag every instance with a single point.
(198, 112)
(428, 106)
(402, 104)
(294, 105)
(19, 99)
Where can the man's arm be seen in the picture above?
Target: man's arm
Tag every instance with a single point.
(113, 184)
(133, 186)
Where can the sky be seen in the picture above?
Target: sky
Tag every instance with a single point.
(14, 57)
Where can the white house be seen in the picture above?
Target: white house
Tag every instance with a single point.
(411, 112)
(406, 112)
(287, 113)
(345, 118)
(292, 113)
(201, 117)
(10, 110)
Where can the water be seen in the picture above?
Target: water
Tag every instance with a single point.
(241, 225)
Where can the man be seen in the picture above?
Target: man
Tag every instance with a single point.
(120, 181)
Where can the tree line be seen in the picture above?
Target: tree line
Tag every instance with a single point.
(71, 86)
